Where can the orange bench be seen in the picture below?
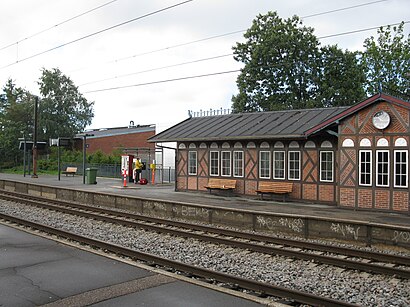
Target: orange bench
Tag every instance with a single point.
(275, 187)
(221, 184)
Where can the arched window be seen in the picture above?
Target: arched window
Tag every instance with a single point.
(181, 146)
(192, 145)
(279, 144)
(400, 142)
(265, 145)
(251, 145)
(382, 142)
(294, 144)
(348, 143)
(326, 144)
(365, 143)
(310, 144)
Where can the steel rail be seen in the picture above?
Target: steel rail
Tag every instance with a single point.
(268, 289)
(350, 252)
(340, 262)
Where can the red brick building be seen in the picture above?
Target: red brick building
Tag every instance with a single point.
(110, 139)
(353, 157)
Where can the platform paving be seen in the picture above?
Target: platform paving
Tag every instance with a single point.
(167, 192)
(36, 271)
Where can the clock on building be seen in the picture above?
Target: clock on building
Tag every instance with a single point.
(381, 120)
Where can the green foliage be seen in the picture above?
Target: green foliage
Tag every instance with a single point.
(281, 64)
(63, 110)
(341, 78)
(387, 60)
(284, 67)
(16, 121)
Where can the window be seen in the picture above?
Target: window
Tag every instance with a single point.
(214, 163)
(294, 165)
(192, 163)
(382, 168)
(264, 164)
(279, 165)
(365, 167)
(226, 163)
(326, 166)
(400, 168)
(238, 163)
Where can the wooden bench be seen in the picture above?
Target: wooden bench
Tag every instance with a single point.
(275, 187)
(221, 184)
(70, 171)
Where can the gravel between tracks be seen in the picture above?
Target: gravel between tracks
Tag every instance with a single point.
(355, 287)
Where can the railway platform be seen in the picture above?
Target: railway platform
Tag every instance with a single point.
(166, 192)
(35, 271)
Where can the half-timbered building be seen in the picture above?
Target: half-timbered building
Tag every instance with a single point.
(354, 157)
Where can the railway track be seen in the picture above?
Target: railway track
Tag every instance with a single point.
(348, 258)
(210, 275)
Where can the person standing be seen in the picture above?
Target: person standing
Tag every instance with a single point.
(137, 170)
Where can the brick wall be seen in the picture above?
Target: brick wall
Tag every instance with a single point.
(327, 193)
(401, 201)
(310, 191)
(382, 199)
(347, 197)
(110, 143)
(365, 198)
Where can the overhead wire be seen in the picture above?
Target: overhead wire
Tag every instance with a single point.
(211, 74)
(98, 32)
(163, 81)
(158, 68)
(221, 35)
(58, 24)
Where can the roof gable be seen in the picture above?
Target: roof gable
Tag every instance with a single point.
(356, 108)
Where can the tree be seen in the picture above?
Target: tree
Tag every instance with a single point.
(281, 61)
(387, 62)
(341, 78)
(64, 111)
(16, 120)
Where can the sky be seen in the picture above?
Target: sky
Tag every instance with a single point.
(120, 53)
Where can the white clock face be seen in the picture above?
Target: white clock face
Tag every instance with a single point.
(381, 120)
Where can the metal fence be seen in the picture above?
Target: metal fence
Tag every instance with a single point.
(162, 175)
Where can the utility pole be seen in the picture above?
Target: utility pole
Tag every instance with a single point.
(35, 138)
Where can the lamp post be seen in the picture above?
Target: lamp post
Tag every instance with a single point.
(24, 154)
(35, 138)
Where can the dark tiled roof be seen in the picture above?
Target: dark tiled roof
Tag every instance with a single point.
(106, 132)
(257, 125)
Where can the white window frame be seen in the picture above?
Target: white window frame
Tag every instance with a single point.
(190, 158)
(290, 161)
(406, 168)
(260, 164)
(377, 168)
(360, 168)
(238, 163)
(223, 166)
(283, 164)
(210, 163)
(321, 164)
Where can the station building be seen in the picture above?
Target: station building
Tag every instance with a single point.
(109, 139)
(354, 157)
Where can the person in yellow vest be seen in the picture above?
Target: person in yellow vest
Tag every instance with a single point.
(137, 170)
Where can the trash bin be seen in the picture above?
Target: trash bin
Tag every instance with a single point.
(91, 175)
